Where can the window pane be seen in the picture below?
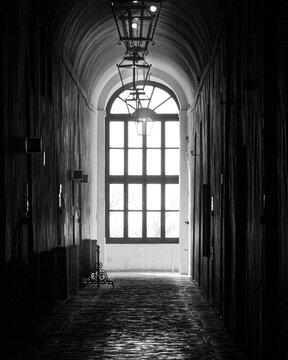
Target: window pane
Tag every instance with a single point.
(116, 196)
(135, 196)
(116, 162)
(119, 107)
(153, 224)
(132, 106)
(134, 224)
(124, 95)
(172, 134)
(169, 107)
(154, 139)
(116, 134)
(144, 103)
(134, 140)
(153, 196)
(148, 90)
(116, 224)
(134, 162)
(159, 96)
(172, 224)
(172, 197)
(153, 162)
(171, 161)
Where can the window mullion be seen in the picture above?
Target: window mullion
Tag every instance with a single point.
(125, 179)
(162, 179)
(144, 188)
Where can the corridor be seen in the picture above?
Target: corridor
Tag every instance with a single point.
(149, 136)
(146, 316)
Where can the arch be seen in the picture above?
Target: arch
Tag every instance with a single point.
(149, 83)
(145, 166)
(105, 89)
(83, 34)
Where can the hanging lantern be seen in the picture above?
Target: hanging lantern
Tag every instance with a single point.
(136, 22)
(134, 66)
(144, 119)
(137, 102)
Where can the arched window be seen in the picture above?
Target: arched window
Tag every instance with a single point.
(142, 172)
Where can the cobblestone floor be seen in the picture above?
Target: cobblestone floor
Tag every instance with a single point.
(146, 316)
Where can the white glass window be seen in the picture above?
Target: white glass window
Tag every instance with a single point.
(134, 224)
(135, 162)
(153, 224)
(116, 134)
(116, 197)
(135, 196)
(153, 162)
(116, 161)
(116, 224)
(142, 172)
(153, 196)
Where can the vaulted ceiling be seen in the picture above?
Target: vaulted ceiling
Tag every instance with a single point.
(87, 36)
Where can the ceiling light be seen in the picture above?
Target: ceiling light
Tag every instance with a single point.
(125, 13)
(134, 66)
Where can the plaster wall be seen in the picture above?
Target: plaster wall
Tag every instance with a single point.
(100, 170)
(183, 183)
(143, 257)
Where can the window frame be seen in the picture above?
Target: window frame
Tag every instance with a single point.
(143, 179)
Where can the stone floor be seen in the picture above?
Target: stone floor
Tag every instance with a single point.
(146, 316)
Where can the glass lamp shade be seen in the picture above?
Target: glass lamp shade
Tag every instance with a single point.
(144, 118)
(136, 22)
(135, 67)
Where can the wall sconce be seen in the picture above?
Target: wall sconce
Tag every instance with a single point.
(76, 175)
(84, 179)
(192, 153)
(136, 22)
(33, 145)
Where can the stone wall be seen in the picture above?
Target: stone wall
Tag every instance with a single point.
(41, 98)
(238, 136)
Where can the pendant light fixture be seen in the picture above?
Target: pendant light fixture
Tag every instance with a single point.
(134, 66)
(136, 22)
(144, 119)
